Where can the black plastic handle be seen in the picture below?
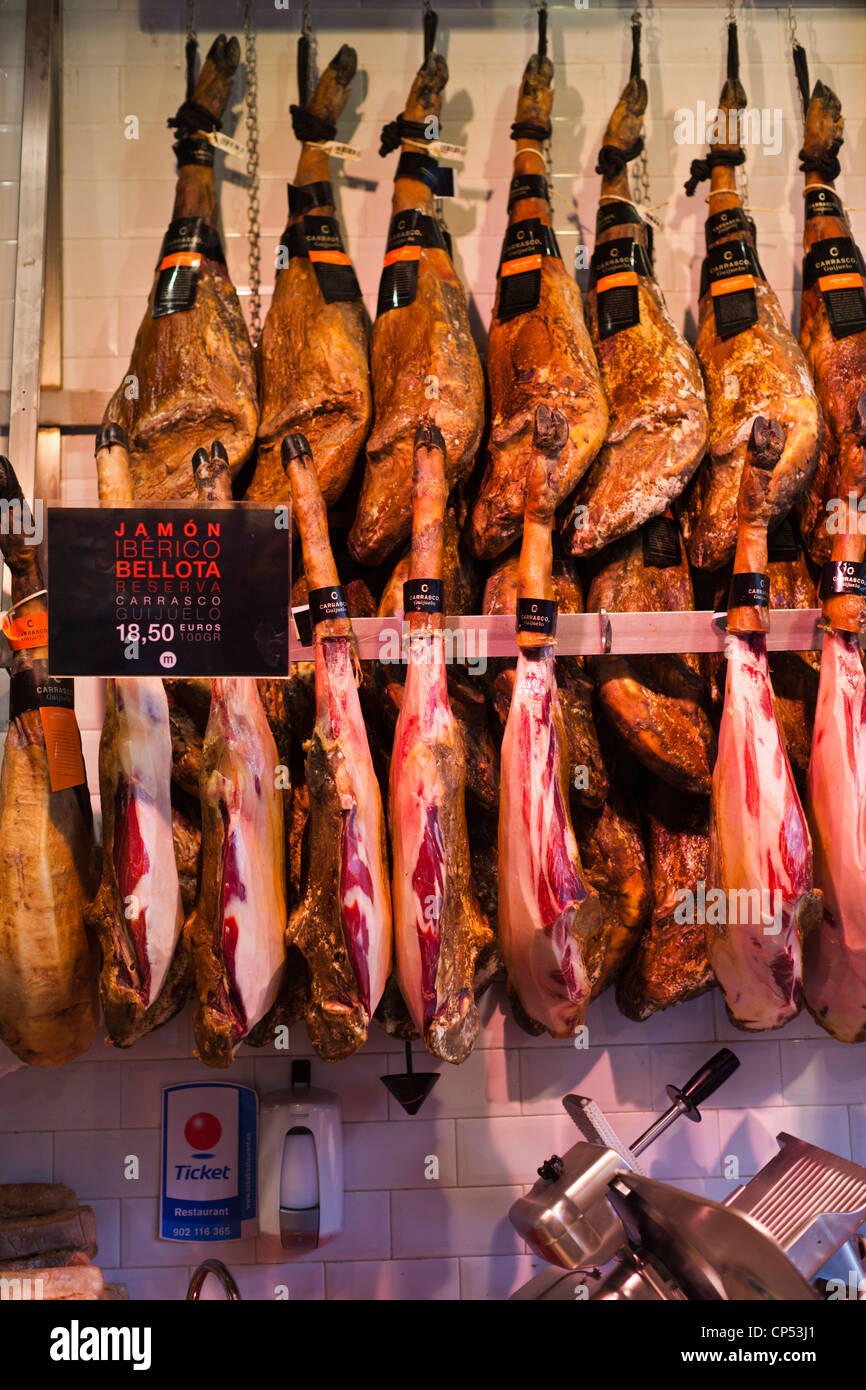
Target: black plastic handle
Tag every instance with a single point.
(705, 1081)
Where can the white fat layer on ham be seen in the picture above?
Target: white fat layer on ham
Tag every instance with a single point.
(544, 961)
(759, 845)
(143, 752)
(835, 953)
(425, 722)
(339, 719)
(255, 899)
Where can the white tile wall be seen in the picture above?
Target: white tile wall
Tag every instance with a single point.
(491, 1121)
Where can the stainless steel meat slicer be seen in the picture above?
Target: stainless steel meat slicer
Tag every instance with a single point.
(612, 1233)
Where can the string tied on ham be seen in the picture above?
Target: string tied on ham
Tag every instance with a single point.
(309, 127)
(801, 70)
(733, 52)
(191, 118)
(430, 22)
(826, 163)
(635, 44)
(191, 121)
(541, 48)
(703, 168)
(612, 160)
(393, 132)
(530, 130)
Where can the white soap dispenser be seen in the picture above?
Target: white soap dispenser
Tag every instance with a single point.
(300, 1165)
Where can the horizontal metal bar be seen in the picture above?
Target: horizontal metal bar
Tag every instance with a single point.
(581, 634)
(65, 409)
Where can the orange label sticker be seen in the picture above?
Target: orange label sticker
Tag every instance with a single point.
(522, 264)
(330, 257)
(614, 282)
(63, 748)
(31, 630)
(402, 253)
(736, 282)
(192, 258)
(848, 281)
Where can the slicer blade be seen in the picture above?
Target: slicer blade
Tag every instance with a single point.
(810, 1201)
(595, 1127)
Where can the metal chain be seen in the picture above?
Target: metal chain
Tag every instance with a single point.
(254, 230)
(744, 188)
(642, 179)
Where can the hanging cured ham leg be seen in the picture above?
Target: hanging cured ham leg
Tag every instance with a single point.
(137, 914)
(835, 953)
(343, 924)
(832, 312)
(751, 362)
(658, 414)
(669, 965)
(237, 930)
(550, 921)
(438, 928)
(657, 704)
(760, 851)
(424, 361)
(539, 347)
(48, 995)
(191, 377)
(313, 363)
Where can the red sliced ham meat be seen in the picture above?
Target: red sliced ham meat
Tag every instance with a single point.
(760, 853)
(438, 926)
(549, 918)
(343, 924)
(835, 953)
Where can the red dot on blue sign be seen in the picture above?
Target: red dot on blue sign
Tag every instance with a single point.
(202, 1131)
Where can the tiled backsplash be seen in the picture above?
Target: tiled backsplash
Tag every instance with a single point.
(491, 1121)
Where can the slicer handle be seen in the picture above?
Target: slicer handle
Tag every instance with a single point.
(705, 1081)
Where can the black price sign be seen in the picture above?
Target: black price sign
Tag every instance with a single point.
(168, 591)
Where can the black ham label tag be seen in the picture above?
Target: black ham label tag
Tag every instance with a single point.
(303, 624)
(408, 233)
(537, 615)
(842, 577)
(822, 202)
(319, 239)
(439, 178)
(168, 590)
(782, 543)
(722, 224)
(54, 697)
(615, 214)
(327, 603)
(730, 272)
(445, 185)
(836, 266)
(661, 542)
(527, 186)
(309, 196)
(186, 242)
(333, 269)
(526, 244)
(33, 688)
(749, 591)
(422, 596)
(613, 274)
